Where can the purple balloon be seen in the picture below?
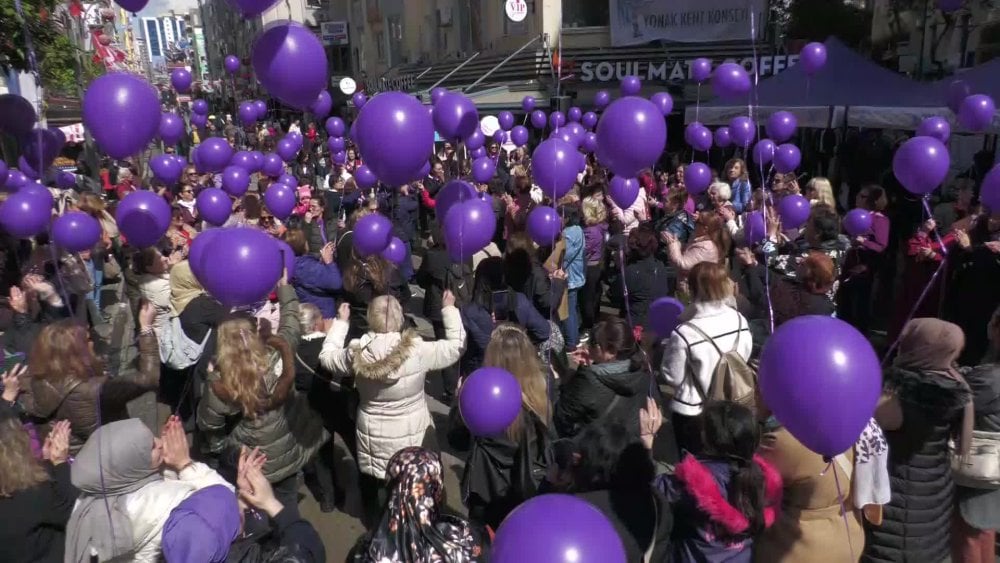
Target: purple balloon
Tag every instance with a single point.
(26, 167)
(214, 206)
(166, 168)
(723, 139)
(240, 266)
(623, 191)
(468, 228)
(42, 147)
(698, 136)
(296, 138)
(557, 529)
(554, 167)
(359, 99)
(287, 257)
(26, 213)
(232, 64)
(538, 119)
(664, 101)
(506, 120)
(4, 172)
(631, 136)
(921, 164)
(697, 177)
(781, 126)
(335, 127)
(500, 136)
(475, 140)
(478, 153)
(528, 104)
(199, 107)
(261, 108)
(180, 79)
(544, 225)
(976, 112)
(340, 157)
(286, 149)
(372, 234)
(199, 120)
(197, 253)
(122, 112)
(288, 180)
(813, 58)
(601, 99)
(742, 130)
(17, 115)
(990, 192)
(171, 128)
(248, 113)
(336, 144)
(322, 105)
(843, 372)
(631, 86)
(437, 93)
(258, 161)
(364, 177)
(794, 211)
(574, 114)
(950, 5)
(519, 135)
(489, 401)
(787, 158)
(701, 70)
(764, 151)
(935, 126)
(454, 192)
(290, 62)
(395, 252)
(76, 231)
(273, 165)
(15, 180)
(236, 181)
(143, 218)
(557, 119)
(857, 222)
(589, 142)
(455, 116)
(214, 154)
(730, 81)
(244, 160)
(589, 120)
(396, 135)
(664, 314)
(251, 8)
(483, 169)
(754, 230)
(280, 199)
(958, 91)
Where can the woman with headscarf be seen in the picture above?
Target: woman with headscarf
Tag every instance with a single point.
(924, 401)
(413, 528)
(129, 482)
(202, 527)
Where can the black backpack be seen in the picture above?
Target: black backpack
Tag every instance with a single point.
(458, 278)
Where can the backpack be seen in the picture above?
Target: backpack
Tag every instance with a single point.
(177, 351)
(733, 379)
(458, 279)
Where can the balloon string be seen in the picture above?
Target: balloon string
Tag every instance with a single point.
(753, 101)
(937, 234)
(840, 499)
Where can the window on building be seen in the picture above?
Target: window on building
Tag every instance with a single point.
(153, 38)
(380, 45)
(585, 13)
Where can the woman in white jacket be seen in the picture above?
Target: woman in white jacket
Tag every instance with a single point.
(389, 365)
(690, 357)
(125, 496)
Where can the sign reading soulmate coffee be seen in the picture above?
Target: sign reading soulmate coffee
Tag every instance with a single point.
(671, 70)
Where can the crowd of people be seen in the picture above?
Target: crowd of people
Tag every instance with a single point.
(142, 420)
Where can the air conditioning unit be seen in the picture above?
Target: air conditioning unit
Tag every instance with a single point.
(444, 17)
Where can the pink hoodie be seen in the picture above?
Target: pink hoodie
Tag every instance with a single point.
(305, 197)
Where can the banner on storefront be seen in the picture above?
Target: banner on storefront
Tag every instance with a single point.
(635, 22)
(676, 70)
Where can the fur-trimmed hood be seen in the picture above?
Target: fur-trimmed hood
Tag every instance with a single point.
(700, 483)
(379, 357)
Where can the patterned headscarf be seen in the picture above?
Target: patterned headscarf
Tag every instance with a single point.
(412, 528)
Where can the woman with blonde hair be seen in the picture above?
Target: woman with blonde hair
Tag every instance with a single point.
(252, 381)
(819, 191)
(389, 364)
(738, 180)
(492, 484)
(595, 229)
(36, 497)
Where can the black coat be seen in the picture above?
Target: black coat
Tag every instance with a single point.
(34, 521)
(917, 519)
(610, 392)
(646, 280)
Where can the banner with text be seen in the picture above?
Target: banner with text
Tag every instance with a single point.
(634, 22)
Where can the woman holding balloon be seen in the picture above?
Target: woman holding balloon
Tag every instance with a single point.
(710, 243)
(854, 302)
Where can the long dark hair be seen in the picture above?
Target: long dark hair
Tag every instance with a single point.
(607, 456)
(730, 433)
(489, 278)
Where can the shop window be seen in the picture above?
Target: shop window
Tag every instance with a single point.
(585, 13)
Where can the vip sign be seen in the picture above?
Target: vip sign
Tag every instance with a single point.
(517, 10)
(673, 71)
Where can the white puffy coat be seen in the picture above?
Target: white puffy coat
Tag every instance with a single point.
(389, 371)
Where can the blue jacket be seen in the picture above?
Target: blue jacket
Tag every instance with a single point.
(317, 283)
(573, 262)
(741, 195)
(479, 325)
